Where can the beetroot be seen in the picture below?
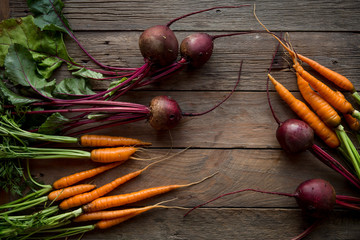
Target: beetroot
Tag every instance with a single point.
(295, 136)
(159, 45)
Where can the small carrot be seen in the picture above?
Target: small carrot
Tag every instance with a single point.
(303, 111)
(109, 141)
(61, 194)
(84, 198)
(104, 224)
(352, 122)
(104, 215)
(77, 177)
(105, 155)
(122, 199)
(325, 111)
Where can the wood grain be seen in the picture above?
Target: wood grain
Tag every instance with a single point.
(4, 9)
(237, 140)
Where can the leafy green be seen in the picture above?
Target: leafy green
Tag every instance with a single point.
(53, 124)
(114, 84)
(48, 14)
(73, 86)
(86, 73)
(11, 176)
(47, 47)
(21, 70)
(12, 98)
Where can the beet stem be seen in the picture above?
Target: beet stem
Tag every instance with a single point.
(347, 205)
(308, 230)
(217, 105)
(239, 191)
(204, 10)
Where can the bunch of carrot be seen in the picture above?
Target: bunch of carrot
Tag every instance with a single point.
(85, 198)
(324, 119)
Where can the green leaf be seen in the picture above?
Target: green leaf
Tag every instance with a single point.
(21, 70)
(13, 98)
(72, 86)
(53, 124)
(48, 14)
(46, 47)
(86, 73)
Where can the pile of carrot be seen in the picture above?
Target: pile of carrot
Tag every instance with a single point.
(66, 201)
(323, 104)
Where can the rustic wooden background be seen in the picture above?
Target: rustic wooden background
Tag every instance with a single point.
(238, 138)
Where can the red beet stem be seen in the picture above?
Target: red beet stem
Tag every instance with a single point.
(217, 105)
(308, 230)
(204, 10)
(239, 191)
(347, 205)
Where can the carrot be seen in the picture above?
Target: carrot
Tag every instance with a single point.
(303, 111)
(122, 199)
(69, 191)
(105, 155)
(84, 198)
(104, 224)
(338, 79)
(77, 177)
(325, 111)
(104, 215)
(341, 104)
(109, 141)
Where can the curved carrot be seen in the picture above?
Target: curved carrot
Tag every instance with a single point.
(341, 104)
(104, 224)
(122, 199)
(77, 177)
(325, 111)
(106, 155)
(87, 197)
(109, 141)
(69, 191)
(303, 111)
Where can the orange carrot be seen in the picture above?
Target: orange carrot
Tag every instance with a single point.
(352, 122)
(122, 199)
(69, 191)
(109, 141)
(323, 109)
(84, 198)
(77, 177)
(341, 104)
(303, 111)
(338, 79)
(104, 215)
(104, 224)
(106, 155)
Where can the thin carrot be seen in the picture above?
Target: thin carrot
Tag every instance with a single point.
(109, 141)
(104, 224)
(105, 155)
(352, 122)
(87, 197)
(338, 79)
(61, 194)
(325, 111)
(341, 104)
(77, 177)
(303, 111)
(104, 215)
(122, 199)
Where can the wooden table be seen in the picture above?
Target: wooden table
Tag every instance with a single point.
(238, 138)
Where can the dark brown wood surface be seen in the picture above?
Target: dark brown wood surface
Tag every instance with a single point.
(238, 138)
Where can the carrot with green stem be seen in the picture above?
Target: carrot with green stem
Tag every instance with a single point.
(9, 128)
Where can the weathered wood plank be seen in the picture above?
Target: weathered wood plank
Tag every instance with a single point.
(307, 15)
(229, 224)
(338, 51)
(270, 170)
(4, 9)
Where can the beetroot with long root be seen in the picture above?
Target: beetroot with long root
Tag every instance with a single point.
(316, 197)
(159, 48)
(163, 113)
